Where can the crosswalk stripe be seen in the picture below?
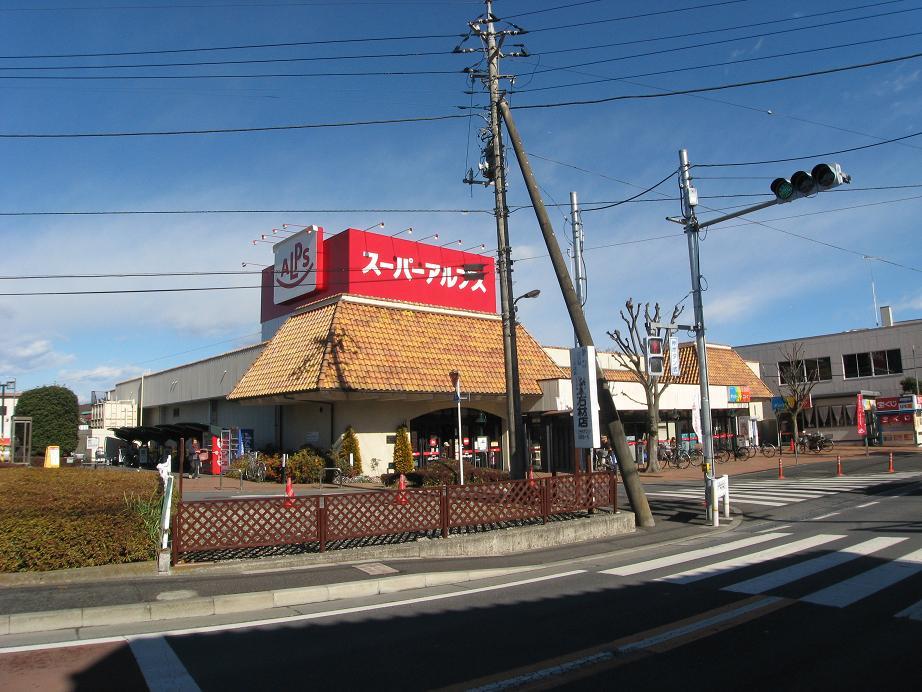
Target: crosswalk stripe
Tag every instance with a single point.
(669, 560)
(700, 496)
(786, 575)
(913, 612)
(867, 583)
(733, 563)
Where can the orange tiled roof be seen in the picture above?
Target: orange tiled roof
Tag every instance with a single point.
(354, 345)
(725, 368)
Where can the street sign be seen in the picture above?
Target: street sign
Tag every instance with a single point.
(586, 433)
(674, 364)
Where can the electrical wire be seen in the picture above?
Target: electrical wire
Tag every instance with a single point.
(811, 156)
(267, 75)
(806, 51)
(153, 212)
(630, 199)
(721, 87)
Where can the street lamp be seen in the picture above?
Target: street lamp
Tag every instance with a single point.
(9, 384)
(520, 459)
(455, 377)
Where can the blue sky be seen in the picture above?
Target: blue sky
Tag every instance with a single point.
(763, 283)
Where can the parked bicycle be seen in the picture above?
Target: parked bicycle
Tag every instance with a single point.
(767, 449)
(255, 469)
(814, 442)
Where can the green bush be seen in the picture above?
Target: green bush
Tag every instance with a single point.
(273, 467)
(349, 445)
(71, 517)
(55, 417)
(307, 464)
(403, 453)
(446, 472)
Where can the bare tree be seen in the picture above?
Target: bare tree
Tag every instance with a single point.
(797, 377)
(631, 344)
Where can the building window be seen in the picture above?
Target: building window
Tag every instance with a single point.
(873, 364)
(175, 413)
(814, 369)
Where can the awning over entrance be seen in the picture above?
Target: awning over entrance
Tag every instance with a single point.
(357, 344)
(160, 433)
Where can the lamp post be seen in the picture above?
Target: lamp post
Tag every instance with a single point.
(519, 459)
(9, 384)
(456, 382)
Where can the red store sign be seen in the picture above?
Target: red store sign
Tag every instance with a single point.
(382, 266)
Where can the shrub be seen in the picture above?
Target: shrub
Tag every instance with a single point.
(55, 417)
(307, 464)
(403, 454)
(273, 467)
(446, 472)
(350, 444)
(65, 518)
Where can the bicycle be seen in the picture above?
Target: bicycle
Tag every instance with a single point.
(255, 469)
(768, 449)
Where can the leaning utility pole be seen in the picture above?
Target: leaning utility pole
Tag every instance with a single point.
(495, 170)
(609, 412)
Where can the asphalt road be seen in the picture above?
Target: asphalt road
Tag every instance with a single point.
(819, 588)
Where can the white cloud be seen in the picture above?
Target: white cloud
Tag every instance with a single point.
(31, 355)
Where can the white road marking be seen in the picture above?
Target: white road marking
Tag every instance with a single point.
(774, 528)
(751, 559)
(786, 575)
(291, 618)
(161, 667)
(913, 612)
(867, 583)
(176, 595)
(825, 516)
(669, 560)
(375, 568)
(868, 504)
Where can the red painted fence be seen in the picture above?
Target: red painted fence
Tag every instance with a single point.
(213, 525)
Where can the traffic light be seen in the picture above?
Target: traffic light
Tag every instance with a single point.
(655, 356)
(802, 184)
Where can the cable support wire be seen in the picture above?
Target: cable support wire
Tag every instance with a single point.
(153, 212)
(266, 75)
(634, 197)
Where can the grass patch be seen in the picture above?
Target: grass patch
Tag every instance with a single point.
(63, 518)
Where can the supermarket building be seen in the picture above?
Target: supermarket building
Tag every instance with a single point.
(362, 330)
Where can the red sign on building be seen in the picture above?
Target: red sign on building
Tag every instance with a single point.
(381, 266)
(860, 422)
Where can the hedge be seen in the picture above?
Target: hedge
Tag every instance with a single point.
(64, 518)
(446, 472)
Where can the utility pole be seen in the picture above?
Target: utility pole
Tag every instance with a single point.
(496, 171)
(578, 278)
(689, 202)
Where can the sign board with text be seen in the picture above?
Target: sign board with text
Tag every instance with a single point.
(586, 433)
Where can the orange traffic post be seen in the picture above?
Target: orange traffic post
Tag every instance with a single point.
(780, 468)
(890, 470)
(531, 476)
(289, 494)
(839, 465)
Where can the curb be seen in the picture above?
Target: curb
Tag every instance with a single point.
(76, 618)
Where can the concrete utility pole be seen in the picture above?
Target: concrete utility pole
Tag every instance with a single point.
(578, 278)
(609, 412)
(496, 170)
(689, 202)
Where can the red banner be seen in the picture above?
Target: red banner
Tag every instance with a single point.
(860, 422)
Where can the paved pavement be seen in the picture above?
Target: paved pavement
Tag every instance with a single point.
(135, 591)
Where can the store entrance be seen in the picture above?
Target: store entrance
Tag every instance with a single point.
(435, 436)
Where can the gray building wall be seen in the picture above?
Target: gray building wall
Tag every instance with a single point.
(902, 335)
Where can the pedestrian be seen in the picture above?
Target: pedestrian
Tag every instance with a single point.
(195, 461)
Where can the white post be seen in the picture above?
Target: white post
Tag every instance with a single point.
(460, 441)
(165, 512)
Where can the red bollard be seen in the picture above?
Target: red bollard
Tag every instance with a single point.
(401, 490)
(531, 476)
(890, 470)
(780, 468)
(839, 465)
(289, 495)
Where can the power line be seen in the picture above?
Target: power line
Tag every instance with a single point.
(721, 87)
(267, 75)
(154, 212)
(810, 156)
(631, 199)
(704, 32)
(214, 131)
(673, 70)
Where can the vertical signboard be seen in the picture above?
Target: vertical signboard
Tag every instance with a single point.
(585, 398)
(860, 422)
(674, 363)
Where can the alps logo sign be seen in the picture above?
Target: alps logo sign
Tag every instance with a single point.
(298, 268)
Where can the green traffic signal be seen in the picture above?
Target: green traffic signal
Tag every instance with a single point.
(783, 189)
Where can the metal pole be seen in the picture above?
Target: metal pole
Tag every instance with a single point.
(691, 231)
(578, 278)
(504, 262)
(460, 441)
(3, 407)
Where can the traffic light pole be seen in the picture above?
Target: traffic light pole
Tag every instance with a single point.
(692, 228)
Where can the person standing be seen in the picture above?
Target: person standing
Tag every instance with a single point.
(195, 461)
